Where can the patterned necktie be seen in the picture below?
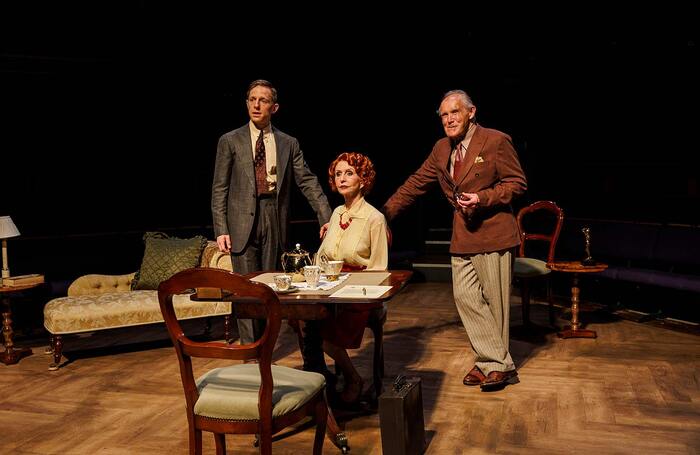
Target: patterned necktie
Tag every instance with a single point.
(260, 165)
(459, 160)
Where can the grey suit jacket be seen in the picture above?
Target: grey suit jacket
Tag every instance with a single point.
(233, 194)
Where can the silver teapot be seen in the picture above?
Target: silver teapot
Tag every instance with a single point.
(294, 261)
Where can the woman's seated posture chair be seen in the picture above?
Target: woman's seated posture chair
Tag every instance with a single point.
(251, 398)
(546, 218)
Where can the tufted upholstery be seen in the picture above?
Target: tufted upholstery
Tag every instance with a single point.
(100, 302)
(100, 284)
(103, 284)
(87, 313)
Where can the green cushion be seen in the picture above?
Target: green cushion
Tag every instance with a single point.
(529, 267)
(231, 393)
(164, 256)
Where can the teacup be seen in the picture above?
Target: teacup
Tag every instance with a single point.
(332, 269)
(283, 282)
(312, 273)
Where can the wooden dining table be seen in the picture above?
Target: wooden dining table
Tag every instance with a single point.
(316, 304)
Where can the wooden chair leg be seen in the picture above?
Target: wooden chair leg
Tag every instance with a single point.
(321, 416)
(334, 432)
(220, 441)
(550, 301)
(266, 441)
(195, 440)
(525, 299)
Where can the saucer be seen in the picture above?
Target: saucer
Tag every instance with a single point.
(288, 291)
(327, 278)
(324, 276)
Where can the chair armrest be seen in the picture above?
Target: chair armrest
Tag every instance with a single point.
(100, 284)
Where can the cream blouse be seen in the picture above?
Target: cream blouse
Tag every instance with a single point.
(363, 243)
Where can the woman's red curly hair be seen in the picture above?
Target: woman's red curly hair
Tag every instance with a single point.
(362, 165)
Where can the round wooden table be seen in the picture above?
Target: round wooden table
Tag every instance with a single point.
(11, 355)
(575, 267)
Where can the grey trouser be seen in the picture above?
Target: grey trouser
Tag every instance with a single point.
(481, 284)
(261, 253)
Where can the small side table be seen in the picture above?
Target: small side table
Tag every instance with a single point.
(11, 355)
(575, 267)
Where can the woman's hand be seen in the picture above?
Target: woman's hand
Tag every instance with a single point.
(323, 231)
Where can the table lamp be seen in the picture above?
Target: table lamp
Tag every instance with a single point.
(7, 230)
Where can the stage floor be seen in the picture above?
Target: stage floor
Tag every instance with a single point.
(634, 389)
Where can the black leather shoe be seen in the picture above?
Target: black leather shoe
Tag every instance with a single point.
(497, 380)
(474, 377)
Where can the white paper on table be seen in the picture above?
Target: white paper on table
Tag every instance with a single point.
(364, 291)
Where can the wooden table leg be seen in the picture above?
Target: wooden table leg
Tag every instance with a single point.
(575, 330)
(335, 434)
(11, 355)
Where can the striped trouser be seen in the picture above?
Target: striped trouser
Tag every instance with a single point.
(481, 286)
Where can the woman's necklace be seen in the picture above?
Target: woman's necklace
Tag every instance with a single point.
(344, 226)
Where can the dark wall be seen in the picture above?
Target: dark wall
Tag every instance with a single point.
(111, 115)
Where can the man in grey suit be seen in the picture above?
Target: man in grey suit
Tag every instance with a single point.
(250, 197)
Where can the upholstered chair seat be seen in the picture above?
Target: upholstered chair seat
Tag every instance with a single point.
(530, 267)
(231, 393)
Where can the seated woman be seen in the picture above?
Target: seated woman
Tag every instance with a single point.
(357, 235)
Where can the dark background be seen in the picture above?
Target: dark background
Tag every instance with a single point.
(111, 113)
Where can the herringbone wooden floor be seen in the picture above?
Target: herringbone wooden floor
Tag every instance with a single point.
(633, 390)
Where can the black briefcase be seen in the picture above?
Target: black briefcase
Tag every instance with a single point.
(401, 418)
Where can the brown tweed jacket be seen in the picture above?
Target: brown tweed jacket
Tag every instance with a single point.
(492, 171)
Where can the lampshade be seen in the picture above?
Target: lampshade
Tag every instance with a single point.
(7, 228)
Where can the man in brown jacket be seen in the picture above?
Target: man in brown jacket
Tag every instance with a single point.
(478, 170)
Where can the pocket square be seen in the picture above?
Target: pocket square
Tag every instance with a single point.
(478, 159)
